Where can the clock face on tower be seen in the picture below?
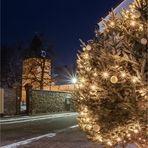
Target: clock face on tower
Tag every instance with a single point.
(43, 53)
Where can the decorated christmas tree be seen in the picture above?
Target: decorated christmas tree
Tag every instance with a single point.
(112, 88)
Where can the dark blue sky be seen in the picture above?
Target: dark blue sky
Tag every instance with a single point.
(62, 21)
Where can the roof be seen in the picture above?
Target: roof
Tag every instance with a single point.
(124, 5)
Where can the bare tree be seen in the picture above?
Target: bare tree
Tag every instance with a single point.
(37, 72)
(37, 64)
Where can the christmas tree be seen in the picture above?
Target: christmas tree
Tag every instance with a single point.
(112, 89)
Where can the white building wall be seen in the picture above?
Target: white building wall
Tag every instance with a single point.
(124, 5)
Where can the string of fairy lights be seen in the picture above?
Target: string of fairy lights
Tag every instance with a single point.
(107, 79)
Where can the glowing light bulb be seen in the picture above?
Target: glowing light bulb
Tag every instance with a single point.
(87, 119)
(126, 16)
(109, 143)
(81, 85)
(86, 56)
(88, 47)
(134, 79)
(118, 139)
(82, 80)
(88, 68)
(141, 27)
(84, 48)
(133, 23)
(136, 131)
(123, 74)
(89, 127)
(85, 109)
(139, 138)
(99, 138)
(127, 11)
(105, 75)
(95, 74)
(93, 87)
(141, 91)
(112, 23)
(81, 113)
(117, 66)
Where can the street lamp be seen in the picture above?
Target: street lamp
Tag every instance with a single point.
(74, 80)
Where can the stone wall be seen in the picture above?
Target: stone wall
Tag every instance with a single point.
(9, 101)
(66, 87)
(50, 101)
(1, 100)
(59, 88)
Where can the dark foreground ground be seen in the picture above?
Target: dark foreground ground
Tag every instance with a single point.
(12, 133)
(70, 138)
(64, 130)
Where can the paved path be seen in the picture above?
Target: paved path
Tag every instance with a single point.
(19, 131)
(59, 132)
(69, 138)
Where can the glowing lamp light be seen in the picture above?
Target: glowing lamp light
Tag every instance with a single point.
(74, 80)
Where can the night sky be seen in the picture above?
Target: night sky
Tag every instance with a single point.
(62, 21)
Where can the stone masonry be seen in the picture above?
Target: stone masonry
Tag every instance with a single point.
(9, 101)
(50, 101)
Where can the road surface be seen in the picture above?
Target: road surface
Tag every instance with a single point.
(15, 132)
(61, 132)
